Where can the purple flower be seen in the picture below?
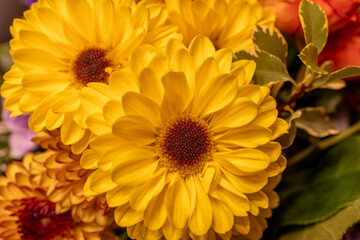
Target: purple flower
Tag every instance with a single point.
(20, 136)
(29, 2)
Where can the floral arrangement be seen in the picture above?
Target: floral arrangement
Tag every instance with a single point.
(181, 119)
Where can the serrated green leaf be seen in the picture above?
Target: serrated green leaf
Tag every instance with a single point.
(325, 186)
(269, 68)
(271, 41)
(316, 122)
(314, 23)
(332, 228)
(309, 57)
(350, 71)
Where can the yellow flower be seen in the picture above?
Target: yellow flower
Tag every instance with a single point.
(228, 23)
(59, 170)
(61, 47)
(191, 153)
(27, 213)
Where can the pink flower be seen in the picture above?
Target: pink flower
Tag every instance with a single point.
(20, 136)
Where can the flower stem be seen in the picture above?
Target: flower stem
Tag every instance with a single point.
(293, 98)
(324, 144)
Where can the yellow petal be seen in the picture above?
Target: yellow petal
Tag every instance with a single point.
(177, 204)
(43, 81)
(92, 101)
(247, 136)
(138, 104)
(239, 206)
(177, 90)
(155, 214)
(132, 164)
(126, 217)
(97, 124)
(134, 129)
(151, 86)
(113, 110)
(142, 194)
(242, 161)
(201, 218)
(66, 101)
(224, 58)
(200, 49)
(248, 184)
(122, 82)
(241, 112)
(118, 196)
(70, 131)
(211, 101)
(223, 219)
(89, 159)
(207, 70)
(101, 181)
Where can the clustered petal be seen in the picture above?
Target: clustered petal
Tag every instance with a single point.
(207, 159)
(144, 120)
(27, 213)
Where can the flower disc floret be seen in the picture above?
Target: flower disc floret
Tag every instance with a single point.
(184, 145)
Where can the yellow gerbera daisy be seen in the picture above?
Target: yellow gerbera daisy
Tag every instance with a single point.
(60, 47)
(228, 23)
(27, 213)
(191, 153)
(59, 170)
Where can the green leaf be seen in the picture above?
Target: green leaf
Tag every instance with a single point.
(309, 57)
(350, 71)
(332, 228)
(271, 41)
(269, 68)
(329, 182)
(316, 122)
(314, 23)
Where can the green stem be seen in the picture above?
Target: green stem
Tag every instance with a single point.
(322, 145)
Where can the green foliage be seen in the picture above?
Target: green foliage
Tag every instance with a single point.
(269, 68)
(329, 182)
(350, 71)
(271, 41)
(309, 57)
(332, 228)
(314, 23)
(316, 122)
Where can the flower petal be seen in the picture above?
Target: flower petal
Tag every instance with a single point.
(132, 164)
(247, 136)
(138, 104)
(210, 101)
(134, 129)
(142, 194)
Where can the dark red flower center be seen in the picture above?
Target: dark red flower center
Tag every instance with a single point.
(38, 220)
(185, 144)
(90, 65)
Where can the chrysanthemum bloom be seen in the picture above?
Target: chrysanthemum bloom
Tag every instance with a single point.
(228, 23)
(191, 154)
(27, 213)
(60, 47)
(59, 170)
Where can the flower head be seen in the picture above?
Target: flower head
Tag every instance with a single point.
(191, 152)
(27, 213)
(59, 170)
(228, 23)
(60, 47)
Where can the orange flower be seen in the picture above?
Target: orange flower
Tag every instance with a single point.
(59, 169)
(27, 213)
(339, 13)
